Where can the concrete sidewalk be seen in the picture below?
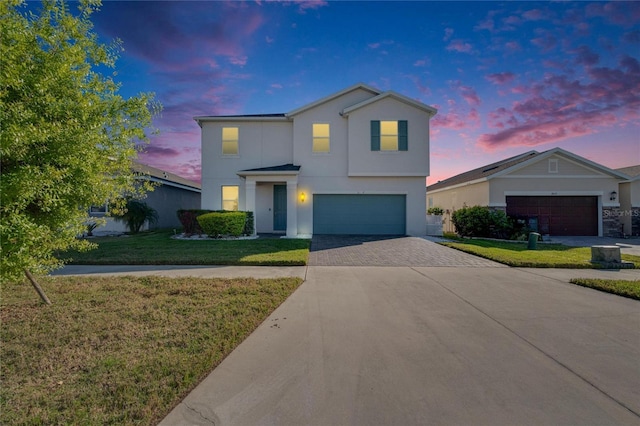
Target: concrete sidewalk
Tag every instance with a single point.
(432, 345)
(185, 271)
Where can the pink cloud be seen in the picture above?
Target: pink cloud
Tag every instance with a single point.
(513, 46)
(455, 118)
(622, 13)
(304, 5)
(469, 94)
(153, 151)
(501, 77)
(460, 46)
(534, 15)
(559, 108)
(586, 56)
(546, 41)
(168, 38)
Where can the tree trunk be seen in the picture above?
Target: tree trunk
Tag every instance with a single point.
(35, 284)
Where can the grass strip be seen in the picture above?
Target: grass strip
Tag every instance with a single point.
(121, 350)
(620, 287)
(516, 254)
(158, 248)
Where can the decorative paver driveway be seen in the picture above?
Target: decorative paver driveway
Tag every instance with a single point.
(365, 250)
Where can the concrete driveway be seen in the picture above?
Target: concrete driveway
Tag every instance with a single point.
(431, 345)
(364, 250)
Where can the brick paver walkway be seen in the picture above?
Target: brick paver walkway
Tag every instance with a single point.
(339, 250)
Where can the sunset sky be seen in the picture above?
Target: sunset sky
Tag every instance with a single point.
(506, 77)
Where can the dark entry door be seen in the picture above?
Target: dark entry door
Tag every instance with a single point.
(279, 207)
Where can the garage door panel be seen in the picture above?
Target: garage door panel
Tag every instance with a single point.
(561, 215)
(359, 214)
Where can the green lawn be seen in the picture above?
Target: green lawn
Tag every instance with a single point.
(120, 350)
(157, 248)
(620, 287)
(545, 256)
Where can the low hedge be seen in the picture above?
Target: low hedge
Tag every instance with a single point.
(218, 224)
(190, 226)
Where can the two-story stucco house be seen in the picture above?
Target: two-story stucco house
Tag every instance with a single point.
(354, 162)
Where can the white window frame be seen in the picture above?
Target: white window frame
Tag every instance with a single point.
(236, 200)
(320, 139)
(553, 165)
(395, 135)
(228, 139)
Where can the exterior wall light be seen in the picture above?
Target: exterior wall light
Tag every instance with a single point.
(303, 197)
(614, 194)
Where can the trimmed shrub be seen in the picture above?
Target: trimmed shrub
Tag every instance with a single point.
(217, 224)
(188, 219)
(480, 221)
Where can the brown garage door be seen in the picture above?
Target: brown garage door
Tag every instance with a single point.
(557, 215)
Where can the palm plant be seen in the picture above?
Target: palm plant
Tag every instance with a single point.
(137, 213)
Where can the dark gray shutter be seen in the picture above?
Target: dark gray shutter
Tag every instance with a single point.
(403, 136)
(375, 135)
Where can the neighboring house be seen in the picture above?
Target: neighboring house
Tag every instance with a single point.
(354, 162)
(629, 212)
(171, 194)
(556, 192)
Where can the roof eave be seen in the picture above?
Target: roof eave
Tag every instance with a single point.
(326, 99)
(238, 119)
(245, 173)
(426, 108)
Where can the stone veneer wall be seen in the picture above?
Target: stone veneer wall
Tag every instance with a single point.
(611, 224)
(612, 221)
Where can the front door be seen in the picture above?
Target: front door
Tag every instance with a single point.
(279, 207)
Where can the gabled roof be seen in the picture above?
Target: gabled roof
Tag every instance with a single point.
(512, 164)
(483, 172)
(284, 169)
(397, 96)
(633, 172)
(359, 86)
(166, 178)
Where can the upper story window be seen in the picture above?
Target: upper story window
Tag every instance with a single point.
(321, 140)
(230, 198)
(389, 135)
(553, 165)
(229, 141)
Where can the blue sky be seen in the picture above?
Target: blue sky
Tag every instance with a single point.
(506, 77)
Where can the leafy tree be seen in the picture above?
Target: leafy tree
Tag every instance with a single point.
(68, 139)
(136, 214)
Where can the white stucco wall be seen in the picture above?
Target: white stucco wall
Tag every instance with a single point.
(365, 162)
(561, 185)
(470, 195)
(333, 163)
(260, 144)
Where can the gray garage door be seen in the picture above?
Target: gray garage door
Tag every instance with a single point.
(359, 214)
